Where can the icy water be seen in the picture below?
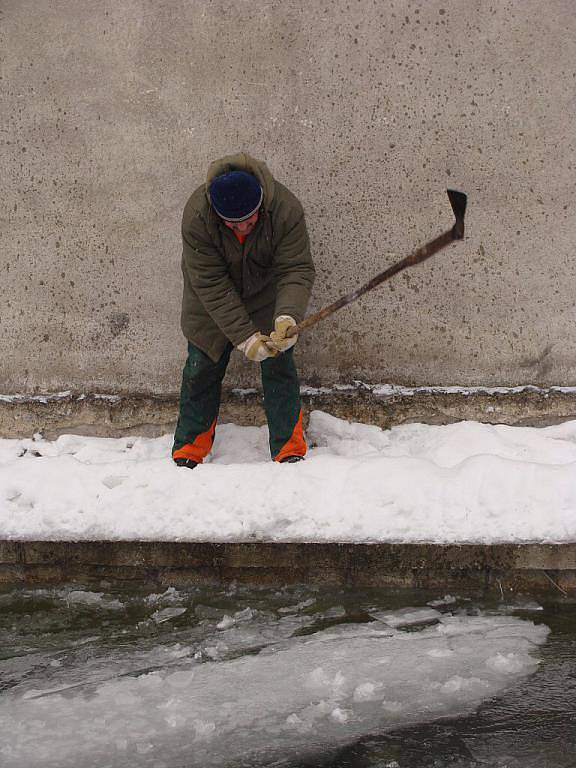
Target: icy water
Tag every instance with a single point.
(290, 678)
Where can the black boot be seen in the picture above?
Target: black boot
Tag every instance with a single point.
(186, 463)
(291, 459)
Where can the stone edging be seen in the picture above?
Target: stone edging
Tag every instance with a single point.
(110, 415)
(548, 568)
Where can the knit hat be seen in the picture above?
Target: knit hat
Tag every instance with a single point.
(236, 195)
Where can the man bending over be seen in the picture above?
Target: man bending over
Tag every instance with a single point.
(248, 275)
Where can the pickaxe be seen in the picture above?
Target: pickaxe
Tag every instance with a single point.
(458, 202)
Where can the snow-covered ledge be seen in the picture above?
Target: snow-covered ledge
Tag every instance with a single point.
(386, 405)
(416, 505)
(459, 483)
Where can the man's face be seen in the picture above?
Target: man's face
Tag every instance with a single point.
(243, 227)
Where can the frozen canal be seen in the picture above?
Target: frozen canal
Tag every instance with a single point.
(293, 678)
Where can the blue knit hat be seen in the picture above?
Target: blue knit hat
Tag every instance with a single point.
(236, 195)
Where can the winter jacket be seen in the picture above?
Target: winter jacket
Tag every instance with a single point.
(233, 290)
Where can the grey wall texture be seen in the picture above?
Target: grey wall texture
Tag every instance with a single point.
(366, 109)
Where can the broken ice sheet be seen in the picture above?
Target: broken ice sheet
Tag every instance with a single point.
(335, 686)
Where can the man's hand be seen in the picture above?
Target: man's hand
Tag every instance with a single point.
(256, 347)
(278, 340)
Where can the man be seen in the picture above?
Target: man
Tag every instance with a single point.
(248, 275)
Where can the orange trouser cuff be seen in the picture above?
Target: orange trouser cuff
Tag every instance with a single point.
(296, 445)
(199, 448)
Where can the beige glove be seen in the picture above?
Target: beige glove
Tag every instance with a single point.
(256, 347)
(278, 340)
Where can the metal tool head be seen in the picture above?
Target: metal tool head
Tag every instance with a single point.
(458, 202)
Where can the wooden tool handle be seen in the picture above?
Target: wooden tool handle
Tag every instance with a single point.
(421, 254)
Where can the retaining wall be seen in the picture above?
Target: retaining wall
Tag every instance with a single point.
(114, 416)
(499, 568)
(366, 110)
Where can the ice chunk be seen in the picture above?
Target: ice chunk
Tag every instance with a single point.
(521, 605)
(507, 664)
(440, 653)
(171, 595)
(366, 692)
(167, 613)
(446, 600)
(245, 615)
(325, 684)
(92, 599)
(240, 616)
(406, 617)
(298, 607)
(340, 715)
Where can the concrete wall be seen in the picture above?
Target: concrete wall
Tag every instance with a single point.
(366, 109)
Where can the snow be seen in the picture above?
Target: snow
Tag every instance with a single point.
(379, 390)
(50, 397)
(397, 390)
(462, 482)
(165, 706)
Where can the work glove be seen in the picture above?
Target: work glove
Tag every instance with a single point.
(278, 340)
(256, 347)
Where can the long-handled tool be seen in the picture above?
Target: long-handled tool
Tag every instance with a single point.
(458, 203)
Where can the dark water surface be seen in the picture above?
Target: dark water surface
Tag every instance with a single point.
(61, 648)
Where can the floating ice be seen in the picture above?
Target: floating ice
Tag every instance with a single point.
(167, 613)
(505, 663)
(240, 616)
(301, 606)
(171, 595)
(302, 695)
(446, 600)
(406, 617)
(91, 599)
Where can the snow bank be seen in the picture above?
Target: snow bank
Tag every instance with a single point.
(464, 482)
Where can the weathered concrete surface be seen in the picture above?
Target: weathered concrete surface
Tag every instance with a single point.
(367, 110)
(53, 415)
(502, 567)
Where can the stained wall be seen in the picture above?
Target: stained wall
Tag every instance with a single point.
(367, 110)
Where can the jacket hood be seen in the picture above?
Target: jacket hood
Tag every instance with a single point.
(242, 161)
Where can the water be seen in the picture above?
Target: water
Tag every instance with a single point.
(294, 678)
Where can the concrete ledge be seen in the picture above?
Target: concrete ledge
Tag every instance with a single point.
(538, 568)
(115, 416)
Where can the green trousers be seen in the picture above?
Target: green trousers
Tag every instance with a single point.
(200, 402)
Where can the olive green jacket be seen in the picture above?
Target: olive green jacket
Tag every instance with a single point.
(233, 290)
